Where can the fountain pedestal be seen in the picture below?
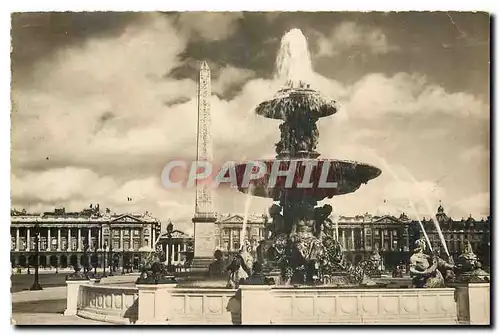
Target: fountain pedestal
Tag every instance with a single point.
(204, 242)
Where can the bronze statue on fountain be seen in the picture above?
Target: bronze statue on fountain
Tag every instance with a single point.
(425, 269)
(469, 268)
(154, 271)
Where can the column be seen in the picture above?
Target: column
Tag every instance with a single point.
(131, 239)
(352, 239)
(121, 238)
(382, 239)
(17, 239)
(391, 246)
(151, 242)
(89, 237)
(178, 252)
(230, 240)
(28, 239)
(79, 244)
(99, 246)
(184, 246)
(58, 239)
(167, 252)
(68, 244)
(49, 240)
(153, 233)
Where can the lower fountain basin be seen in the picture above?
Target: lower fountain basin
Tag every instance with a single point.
(328, 178)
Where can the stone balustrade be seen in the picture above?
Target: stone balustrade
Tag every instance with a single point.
(112, 304)
(264, 305)
(348, 306)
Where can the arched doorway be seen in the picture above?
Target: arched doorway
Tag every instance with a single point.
(73, 260)
(94, 261)
(64, 261)
(53, 261)
(22, 261)
(83, 261)
(43, 261)
(136, 262)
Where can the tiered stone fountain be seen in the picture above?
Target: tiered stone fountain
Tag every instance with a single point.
(302, 245)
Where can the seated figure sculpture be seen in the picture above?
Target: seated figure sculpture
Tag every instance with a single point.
(240, 267)
(306, 246)
(271, 248)
(469, 267)
(424, 268)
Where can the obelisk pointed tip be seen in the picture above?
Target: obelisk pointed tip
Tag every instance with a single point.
(204, 65)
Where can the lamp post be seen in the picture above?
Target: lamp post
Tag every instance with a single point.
(104, 259)
(36, 284)
(95, 258)
(110, 259)
(170, 229)
(85, 255)
(123, 260)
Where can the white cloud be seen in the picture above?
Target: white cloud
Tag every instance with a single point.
(377, 94)
(209, 26)
(230, 76)
(349, 36)
(477, 153)
(477, 205)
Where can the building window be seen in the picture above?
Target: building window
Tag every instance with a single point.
(116, 244)
(262, 234)
(136, 232)
(377, 232)
(116, 233)
(235, 235)
(225, 232)
(136, 244)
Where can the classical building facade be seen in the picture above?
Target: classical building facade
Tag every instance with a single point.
(229, 230)
(176, 246)
(89, 236)
(456, 233)
(362, 235)
(358, 235)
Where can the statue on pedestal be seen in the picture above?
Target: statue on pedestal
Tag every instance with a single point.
(240, 267)
(469, 268)
(424, 268)
(376, 260)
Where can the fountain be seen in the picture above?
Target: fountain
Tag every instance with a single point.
(303, 246)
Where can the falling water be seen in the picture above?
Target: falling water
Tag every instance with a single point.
(412, 205)
(431, 212)
(293, 63)
(248, 202)
(336, 217)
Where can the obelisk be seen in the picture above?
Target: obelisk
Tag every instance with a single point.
(204, 218)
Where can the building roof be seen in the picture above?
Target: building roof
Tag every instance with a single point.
(83, 216)
(176, 234)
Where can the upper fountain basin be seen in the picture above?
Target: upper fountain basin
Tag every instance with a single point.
(292, 100)
(341, 177)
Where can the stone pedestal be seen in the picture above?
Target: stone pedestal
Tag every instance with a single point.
(154, 304)
(473, 303)
(72, 294)
(204, 241)
(256, 304)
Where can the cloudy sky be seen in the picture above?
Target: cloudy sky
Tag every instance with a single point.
(102, 101)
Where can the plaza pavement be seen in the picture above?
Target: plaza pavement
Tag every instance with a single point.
(46, 307)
